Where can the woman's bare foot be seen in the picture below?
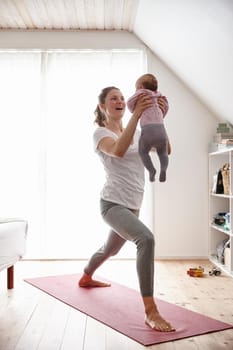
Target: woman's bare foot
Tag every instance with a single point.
(86, 281)
(153, 318)
(157, 323)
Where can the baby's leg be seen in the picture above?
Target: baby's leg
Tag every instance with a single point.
(144, 149)
(163, 157)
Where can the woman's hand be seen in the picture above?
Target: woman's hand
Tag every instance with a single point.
(143, 103)
(163, 104)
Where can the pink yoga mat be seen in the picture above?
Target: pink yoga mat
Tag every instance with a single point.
(121, 308)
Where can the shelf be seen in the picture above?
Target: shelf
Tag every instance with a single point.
(218, 227)
(224, 268)
(221, 151)
(220, 203)
(228, 196)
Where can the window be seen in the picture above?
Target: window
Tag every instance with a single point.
(50, 174)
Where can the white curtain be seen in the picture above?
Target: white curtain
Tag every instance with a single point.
(50, 174)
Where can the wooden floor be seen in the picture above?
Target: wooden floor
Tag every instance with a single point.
(32, 320)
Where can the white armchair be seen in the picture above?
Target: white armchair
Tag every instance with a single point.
(13, 233)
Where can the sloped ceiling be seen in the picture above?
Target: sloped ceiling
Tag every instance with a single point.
(194, 38)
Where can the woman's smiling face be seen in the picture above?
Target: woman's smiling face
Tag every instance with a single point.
(114, 105)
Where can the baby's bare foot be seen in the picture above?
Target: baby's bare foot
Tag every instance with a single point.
(87, 282)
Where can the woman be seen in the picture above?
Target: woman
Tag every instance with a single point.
(122, 196)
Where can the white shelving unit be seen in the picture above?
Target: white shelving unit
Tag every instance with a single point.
(220, 203)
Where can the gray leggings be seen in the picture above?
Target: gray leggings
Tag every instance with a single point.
(126, 227)
(154, 135)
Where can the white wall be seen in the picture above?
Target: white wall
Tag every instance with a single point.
(181, 204)
(194, 38)
(68, 40)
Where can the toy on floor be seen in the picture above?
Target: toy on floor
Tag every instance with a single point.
(215, 271)
(196, 271)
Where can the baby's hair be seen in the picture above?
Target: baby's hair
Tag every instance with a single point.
(148, 81)
(100, 117)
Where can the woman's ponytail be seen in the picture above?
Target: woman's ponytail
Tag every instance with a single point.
(100, 116)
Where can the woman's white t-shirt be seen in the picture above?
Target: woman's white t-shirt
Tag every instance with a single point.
(124, 176)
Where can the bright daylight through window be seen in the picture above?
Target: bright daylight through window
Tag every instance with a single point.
(50, 174)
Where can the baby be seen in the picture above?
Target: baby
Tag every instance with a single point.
(153, 132)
